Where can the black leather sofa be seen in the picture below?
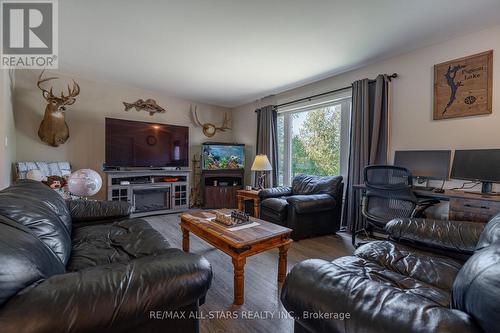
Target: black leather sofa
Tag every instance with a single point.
(406, 284)
(312, 206)
(83, 266)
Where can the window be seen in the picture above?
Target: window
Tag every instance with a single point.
(314, 138)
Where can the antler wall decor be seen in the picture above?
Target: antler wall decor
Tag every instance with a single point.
(209, 129)
(53, 129)
(148, 105)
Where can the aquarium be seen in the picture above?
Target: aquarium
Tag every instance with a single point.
(223, 156)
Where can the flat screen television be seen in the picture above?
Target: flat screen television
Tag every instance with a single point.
(222, 156)
(142, 144)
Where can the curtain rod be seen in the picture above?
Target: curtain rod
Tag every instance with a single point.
(390, 77)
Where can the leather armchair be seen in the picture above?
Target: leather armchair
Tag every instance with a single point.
(64, 271)
(404, 285)
(312, 206)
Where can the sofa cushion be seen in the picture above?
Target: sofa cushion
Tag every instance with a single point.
(450, 236)
(119, 242)
(427, 267)
(477, 288)
(490, 234)
(25, 259)
(114, 298)
(306, 185)
(313, 203)
(376, 298)
(43, 211)
(96, 210)
(275, 192)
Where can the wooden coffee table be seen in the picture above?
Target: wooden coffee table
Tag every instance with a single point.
(238, 244)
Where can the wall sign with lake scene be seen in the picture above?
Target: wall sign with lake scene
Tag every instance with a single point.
(463, 87)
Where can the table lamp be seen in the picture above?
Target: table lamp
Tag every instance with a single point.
(261, 164)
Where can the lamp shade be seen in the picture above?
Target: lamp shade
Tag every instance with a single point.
(261, 163)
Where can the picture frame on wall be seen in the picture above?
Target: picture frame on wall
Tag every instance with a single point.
(463, 87)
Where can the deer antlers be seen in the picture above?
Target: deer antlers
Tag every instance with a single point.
(209, 129)
(49, 95)
(225, 123)
(53, 129)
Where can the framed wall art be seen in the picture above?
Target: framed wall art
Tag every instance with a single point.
(464, 87)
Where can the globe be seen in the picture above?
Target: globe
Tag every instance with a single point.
(84, 183)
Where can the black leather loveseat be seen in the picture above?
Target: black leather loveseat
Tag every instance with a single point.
(312, 206)
(404, 285)
(83, 266)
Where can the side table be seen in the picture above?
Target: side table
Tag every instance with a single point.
(253, 195)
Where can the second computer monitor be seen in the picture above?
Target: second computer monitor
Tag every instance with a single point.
(428, 164)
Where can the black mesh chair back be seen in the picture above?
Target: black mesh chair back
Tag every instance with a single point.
(388, 194)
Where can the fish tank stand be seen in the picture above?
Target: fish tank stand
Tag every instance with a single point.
(220, 186)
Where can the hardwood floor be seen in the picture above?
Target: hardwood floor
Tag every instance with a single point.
(262, 310)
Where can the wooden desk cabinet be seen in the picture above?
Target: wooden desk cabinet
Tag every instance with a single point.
(463, 206)
(466, 206)
(477, 210)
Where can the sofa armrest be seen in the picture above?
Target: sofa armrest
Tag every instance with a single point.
(275, 192)
(304, 204)
(111, 298)
(455, 236)
(91, 210)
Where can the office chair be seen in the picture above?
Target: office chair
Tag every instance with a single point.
(388, 195)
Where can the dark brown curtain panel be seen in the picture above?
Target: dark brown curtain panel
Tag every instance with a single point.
(267, 141)
(369, 139)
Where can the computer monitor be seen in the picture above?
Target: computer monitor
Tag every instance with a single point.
(425, 164)
(477, 164)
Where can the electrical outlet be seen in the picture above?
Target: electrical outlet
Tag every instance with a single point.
(6, 142)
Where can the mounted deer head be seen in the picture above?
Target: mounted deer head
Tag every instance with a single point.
(209, 129)
(53, 130)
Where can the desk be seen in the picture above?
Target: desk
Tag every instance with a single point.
(464, 206)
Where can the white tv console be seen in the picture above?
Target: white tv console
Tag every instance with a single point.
(149, 191)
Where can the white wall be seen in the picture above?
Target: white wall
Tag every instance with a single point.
(7, 129)
(412, 126)
(85, 118)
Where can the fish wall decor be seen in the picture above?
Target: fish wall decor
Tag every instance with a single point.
(148, 105)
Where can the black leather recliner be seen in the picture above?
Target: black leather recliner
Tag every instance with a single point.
(312, 206)
(406, 284)
(83, 266)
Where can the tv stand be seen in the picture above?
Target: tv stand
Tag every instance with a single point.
(150, 191)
